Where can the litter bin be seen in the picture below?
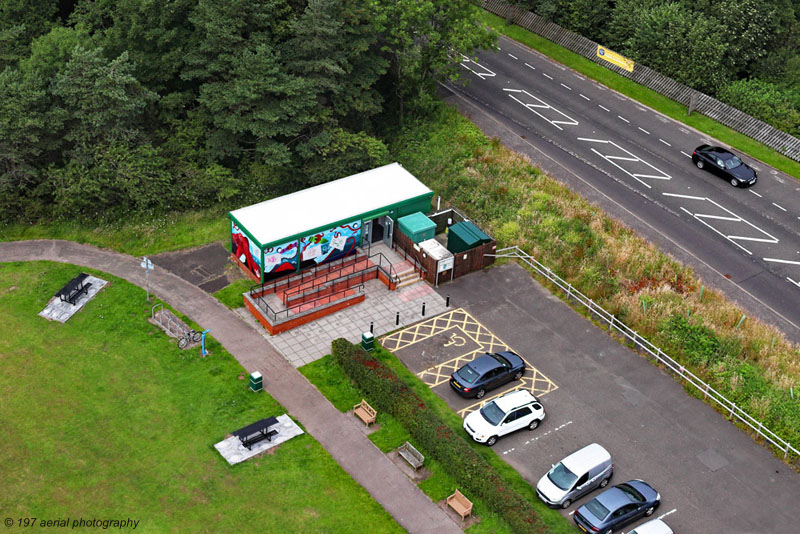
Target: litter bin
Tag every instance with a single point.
(367, 341)
(255, 381)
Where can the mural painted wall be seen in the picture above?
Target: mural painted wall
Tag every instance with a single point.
(280, 260)
(247, 251)
(330, 244)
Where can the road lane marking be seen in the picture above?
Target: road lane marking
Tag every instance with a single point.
(530, 66)
(623, 118)
(792, 281)
(512, 56)
(547, 75)
(541, 104)
(776, 260)
(701, 217)
(567, 87)
(779, 207)
(685, 154)
(482, 75)
(642, 129)
(603, 107)
(630, 157)
(756, 194)
(585, 97)
(579, 77)
(664, 142)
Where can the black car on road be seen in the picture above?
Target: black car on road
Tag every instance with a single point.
(487, 372)
(724, 164)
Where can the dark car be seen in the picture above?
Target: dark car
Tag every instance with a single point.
(487, 372)
(617, 507)
(724, 164)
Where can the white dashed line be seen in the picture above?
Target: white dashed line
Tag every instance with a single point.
(584, 97)
(664, 142)
(579, 77)
(539, 436)
(792, 281)
(512, 56)
(547, 75)
(567, 87)
(685, 154)
(603, 107)
(662, 516)
(530, 66)
(776, 260)
(684, 130)
(623, 118)
(642, 129)
(756, 194)
(779, 207)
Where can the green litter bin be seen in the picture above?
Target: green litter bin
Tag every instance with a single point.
(368, 341)
(255, 381)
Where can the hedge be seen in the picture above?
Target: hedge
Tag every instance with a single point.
(387, 392)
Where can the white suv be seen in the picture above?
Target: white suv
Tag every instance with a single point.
(505, 414)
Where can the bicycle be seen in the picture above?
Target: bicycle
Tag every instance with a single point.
(189, 336)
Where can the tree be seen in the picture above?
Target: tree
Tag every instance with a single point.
(102, 100)
(21, 21)
(422, 39)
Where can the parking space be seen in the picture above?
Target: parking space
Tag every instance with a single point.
(436, 348)
(712, 477)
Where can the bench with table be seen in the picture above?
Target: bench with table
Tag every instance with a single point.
(252, 434)
(411, 455)
(460, 504)
(365, 412)
(72, 291)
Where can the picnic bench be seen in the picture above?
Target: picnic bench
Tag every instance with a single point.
(460, 504)
(411, 455)
(72, 291)
(365, 412)
(253, 433)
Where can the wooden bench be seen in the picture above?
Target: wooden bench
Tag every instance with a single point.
(365, 412)
(72, 291)
(460, 504)
(411, 455)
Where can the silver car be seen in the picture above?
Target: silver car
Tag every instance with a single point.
(576, 475)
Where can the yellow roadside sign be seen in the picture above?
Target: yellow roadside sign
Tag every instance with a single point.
(613, 57)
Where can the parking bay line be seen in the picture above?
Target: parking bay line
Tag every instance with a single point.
(756, 194)
(556, 429)
(779, 207)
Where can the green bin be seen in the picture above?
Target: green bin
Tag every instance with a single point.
(255, 381)
(368, 341)
(417, 227)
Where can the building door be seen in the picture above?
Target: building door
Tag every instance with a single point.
(388, 230)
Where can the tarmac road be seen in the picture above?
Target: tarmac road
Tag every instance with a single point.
(636, 164)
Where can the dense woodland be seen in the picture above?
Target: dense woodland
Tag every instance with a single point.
(115, 107)
(112, 107)
(744, 52)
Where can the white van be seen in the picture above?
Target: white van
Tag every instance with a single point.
(575, 476)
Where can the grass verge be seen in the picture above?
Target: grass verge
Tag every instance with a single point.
(642, 94)
(104, 417)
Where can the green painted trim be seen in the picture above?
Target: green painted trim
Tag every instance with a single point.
(384, 210)
(244, 230)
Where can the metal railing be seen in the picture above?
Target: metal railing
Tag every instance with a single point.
(319, 285)
(645, 345)
(308, 274)
(279, 316)
(423, 272)
(382, 262)
(778, 140)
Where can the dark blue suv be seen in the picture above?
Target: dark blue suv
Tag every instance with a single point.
(487, 372)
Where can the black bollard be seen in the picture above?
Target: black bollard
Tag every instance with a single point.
(447, 302)
(370, 327)
(397, 319)
(423, 309)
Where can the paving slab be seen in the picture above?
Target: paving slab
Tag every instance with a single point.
(58, 310)
(234, 452)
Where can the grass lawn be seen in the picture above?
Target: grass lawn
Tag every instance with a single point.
(104, 417)
(330, 379)
(642, 94)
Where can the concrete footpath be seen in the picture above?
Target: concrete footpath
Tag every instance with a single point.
(398, 495)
